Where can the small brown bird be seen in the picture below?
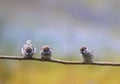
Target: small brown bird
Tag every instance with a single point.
(46, 52)
(87, 55)
(28, 50)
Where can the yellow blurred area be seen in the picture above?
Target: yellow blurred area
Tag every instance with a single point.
(31, 72)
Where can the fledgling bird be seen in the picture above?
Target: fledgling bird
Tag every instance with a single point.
(87, 55)
(46, 52)
(28, 50)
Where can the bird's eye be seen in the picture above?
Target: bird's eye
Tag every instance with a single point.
(83, 49)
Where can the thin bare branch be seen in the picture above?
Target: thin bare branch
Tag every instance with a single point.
(60, 61)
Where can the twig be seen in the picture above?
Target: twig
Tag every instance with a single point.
(60, 61)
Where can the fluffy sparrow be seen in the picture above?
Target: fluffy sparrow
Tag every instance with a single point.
(28, 50)
(87, 55)
(46, 52)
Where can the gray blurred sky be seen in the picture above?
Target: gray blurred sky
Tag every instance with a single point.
(66, 25)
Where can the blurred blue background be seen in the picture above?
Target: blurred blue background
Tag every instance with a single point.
(65, 25)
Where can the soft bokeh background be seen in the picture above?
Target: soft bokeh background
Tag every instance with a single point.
(65, 25)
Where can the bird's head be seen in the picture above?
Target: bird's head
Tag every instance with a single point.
(28, 49)
(83, 49)
(46, 48)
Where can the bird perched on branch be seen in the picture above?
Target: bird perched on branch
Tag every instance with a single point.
(28, 50)
(46, 52)
(87, 55)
